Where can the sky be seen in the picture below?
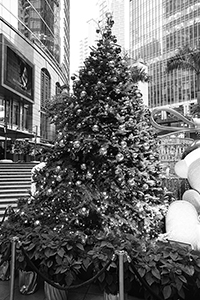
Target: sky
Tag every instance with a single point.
(80, 12)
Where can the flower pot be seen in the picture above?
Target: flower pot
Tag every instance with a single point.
(28, 282)
(113, 297)
(5, 271)
(52, 293)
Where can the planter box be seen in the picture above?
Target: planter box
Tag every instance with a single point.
(52, 293)
(28, 282)
(113, 297)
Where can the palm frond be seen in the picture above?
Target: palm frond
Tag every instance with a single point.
(186, 58)
(139, 74)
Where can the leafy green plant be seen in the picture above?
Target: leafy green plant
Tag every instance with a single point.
(58, 257)
(21, 147)
(109, 249)
(171, 270)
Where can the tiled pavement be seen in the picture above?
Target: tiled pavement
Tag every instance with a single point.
(86, 293)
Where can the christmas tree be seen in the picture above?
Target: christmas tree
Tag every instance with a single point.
(104, 176)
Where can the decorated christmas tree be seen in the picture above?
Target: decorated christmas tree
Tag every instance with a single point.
(104, 174)
(103, 179)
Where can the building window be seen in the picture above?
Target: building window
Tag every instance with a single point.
(45, 98)
(15, 113)
(58, 88)
(44, 126)
(45, 88)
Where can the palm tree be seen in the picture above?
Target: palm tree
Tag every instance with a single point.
(187, 58)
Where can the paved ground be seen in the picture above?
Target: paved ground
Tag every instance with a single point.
(86, 293)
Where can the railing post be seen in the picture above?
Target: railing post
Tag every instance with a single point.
(12, 267)
(121, 274)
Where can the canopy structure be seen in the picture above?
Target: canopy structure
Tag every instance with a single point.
(15, 134)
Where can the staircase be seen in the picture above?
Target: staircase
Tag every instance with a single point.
(15, 182)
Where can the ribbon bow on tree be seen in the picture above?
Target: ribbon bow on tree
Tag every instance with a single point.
(191, 125)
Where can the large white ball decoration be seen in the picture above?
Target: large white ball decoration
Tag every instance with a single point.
(194, 175)
(182, 223)
(181, 169)
(193, 197)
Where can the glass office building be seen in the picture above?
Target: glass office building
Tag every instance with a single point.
(157, 29)
(34, 59)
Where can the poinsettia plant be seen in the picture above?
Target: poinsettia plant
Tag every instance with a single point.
(57, 257)
(110, 248)
(171, 270)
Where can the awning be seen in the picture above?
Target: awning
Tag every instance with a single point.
(15, 134)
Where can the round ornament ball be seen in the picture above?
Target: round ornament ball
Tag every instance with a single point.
(83, 166)
(78, 183)
(59, 178)
(103, 151)
(119, 157)
(89, 175)
(76, 144)
(62, 144)
(58, 168)
(131, 182)
(145, 186)
(124, 144)
(37, 223)
(49, 192)
(78, 112)
(95, 128)
(60, 135)
(83, 94)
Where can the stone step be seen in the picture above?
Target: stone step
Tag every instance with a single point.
(9, 171)
(17, 166)
(12, 186)
(14, 176)
(7, 201)
(4, 206)
(7, 184)
(15, 183)
(5, 192)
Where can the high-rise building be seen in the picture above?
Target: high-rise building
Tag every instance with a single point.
(89, 41)
(34, 59)
(118, 10)
(157, 30)
(65, 37)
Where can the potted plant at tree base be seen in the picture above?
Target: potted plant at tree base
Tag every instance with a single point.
(59, 256)
(110, 249)
(28, 279)
(168, 270)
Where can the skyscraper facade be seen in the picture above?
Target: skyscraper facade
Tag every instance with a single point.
(118, 9)
(157, 30)
(34, 59)
(88, 41)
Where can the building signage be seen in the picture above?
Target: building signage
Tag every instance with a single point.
(18, 72)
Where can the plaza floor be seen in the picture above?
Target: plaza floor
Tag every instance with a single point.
(87, 293)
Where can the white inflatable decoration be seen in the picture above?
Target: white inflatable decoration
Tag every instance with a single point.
(182, 224)
(34, 170)
(182, 219)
